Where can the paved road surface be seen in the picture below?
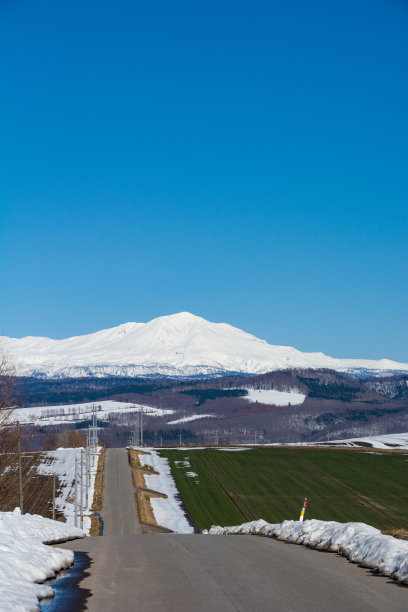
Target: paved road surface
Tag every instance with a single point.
(195, 573)
(119, 503)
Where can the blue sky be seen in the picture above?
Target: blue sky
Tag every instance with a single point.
(244, 161)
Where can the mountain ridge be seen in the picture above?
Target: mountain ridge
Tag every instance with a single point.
(178, 345)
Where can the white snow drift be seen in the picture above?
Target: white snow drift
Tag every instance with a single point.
(25, 561)
(358, 542)
(176, 345)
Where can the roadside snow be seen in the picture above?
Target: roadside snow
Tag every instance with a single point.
(25, 561)
(193, 417)
(274, 398)
(167, 512)
(359, 542)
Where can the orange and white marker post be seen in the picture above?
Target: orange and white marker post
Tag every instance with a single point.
(302, 513)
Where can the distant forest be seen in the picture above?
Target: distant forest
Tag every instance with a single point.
(336, 406)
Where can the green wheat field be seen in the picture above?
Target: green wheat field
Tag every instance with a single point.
(232, 487)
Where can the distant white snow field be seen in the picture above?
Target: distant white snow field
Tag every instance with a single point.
(275, 398)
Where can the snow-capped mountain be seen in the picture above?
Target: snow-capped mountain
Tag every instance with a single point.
(177, 345)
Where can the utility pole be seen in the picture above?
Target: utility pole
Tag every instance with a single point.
(180, 438)
(20, 475)
(94, 427)
(141, 428)
(137, 430)
(53, 498)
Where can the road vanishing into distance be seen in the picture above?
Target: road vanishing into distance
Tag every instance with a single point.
(187, 573)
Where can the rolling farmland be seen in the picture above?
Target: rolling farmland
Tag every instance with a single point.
(229, 488)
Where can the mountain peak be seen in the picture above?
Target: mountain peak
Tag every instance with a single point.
(181, 344)
(180, 317)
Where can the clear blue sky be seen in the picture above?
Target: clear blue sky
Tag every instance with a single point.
(245, 161)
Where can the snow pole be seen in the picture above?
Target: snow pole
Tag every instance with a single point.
(87, 474)
(302, 513)
(81, 505)
(76, 490)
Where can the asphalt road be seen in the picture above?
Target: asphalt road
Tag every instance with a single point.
(199, 573)
(119, 502)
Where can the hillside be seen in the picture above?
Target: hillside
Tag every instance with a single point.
(283, 406)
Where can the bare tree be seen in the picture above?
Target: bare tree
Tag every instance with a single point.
(8, 432)
(8, 401)
(70, 439)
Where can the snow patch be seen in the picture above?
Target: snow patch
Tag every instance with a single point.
(232, 449)
(275, 398)
(193, 417)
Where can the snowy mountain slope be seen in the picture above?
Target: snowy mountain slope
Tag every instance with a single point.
(175, 345)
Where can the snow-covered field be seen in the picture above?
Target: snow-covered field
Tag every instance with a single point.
(61, 462)
(193, 417)
(73, 413)
(25, 560)
(167, 512)
(388, 441)
(275, 398)
(358, 542)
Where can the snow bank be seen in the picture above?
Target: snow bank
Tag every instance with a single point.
(167, 512)
(35, 526)
(25, 560)
(358, 542)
